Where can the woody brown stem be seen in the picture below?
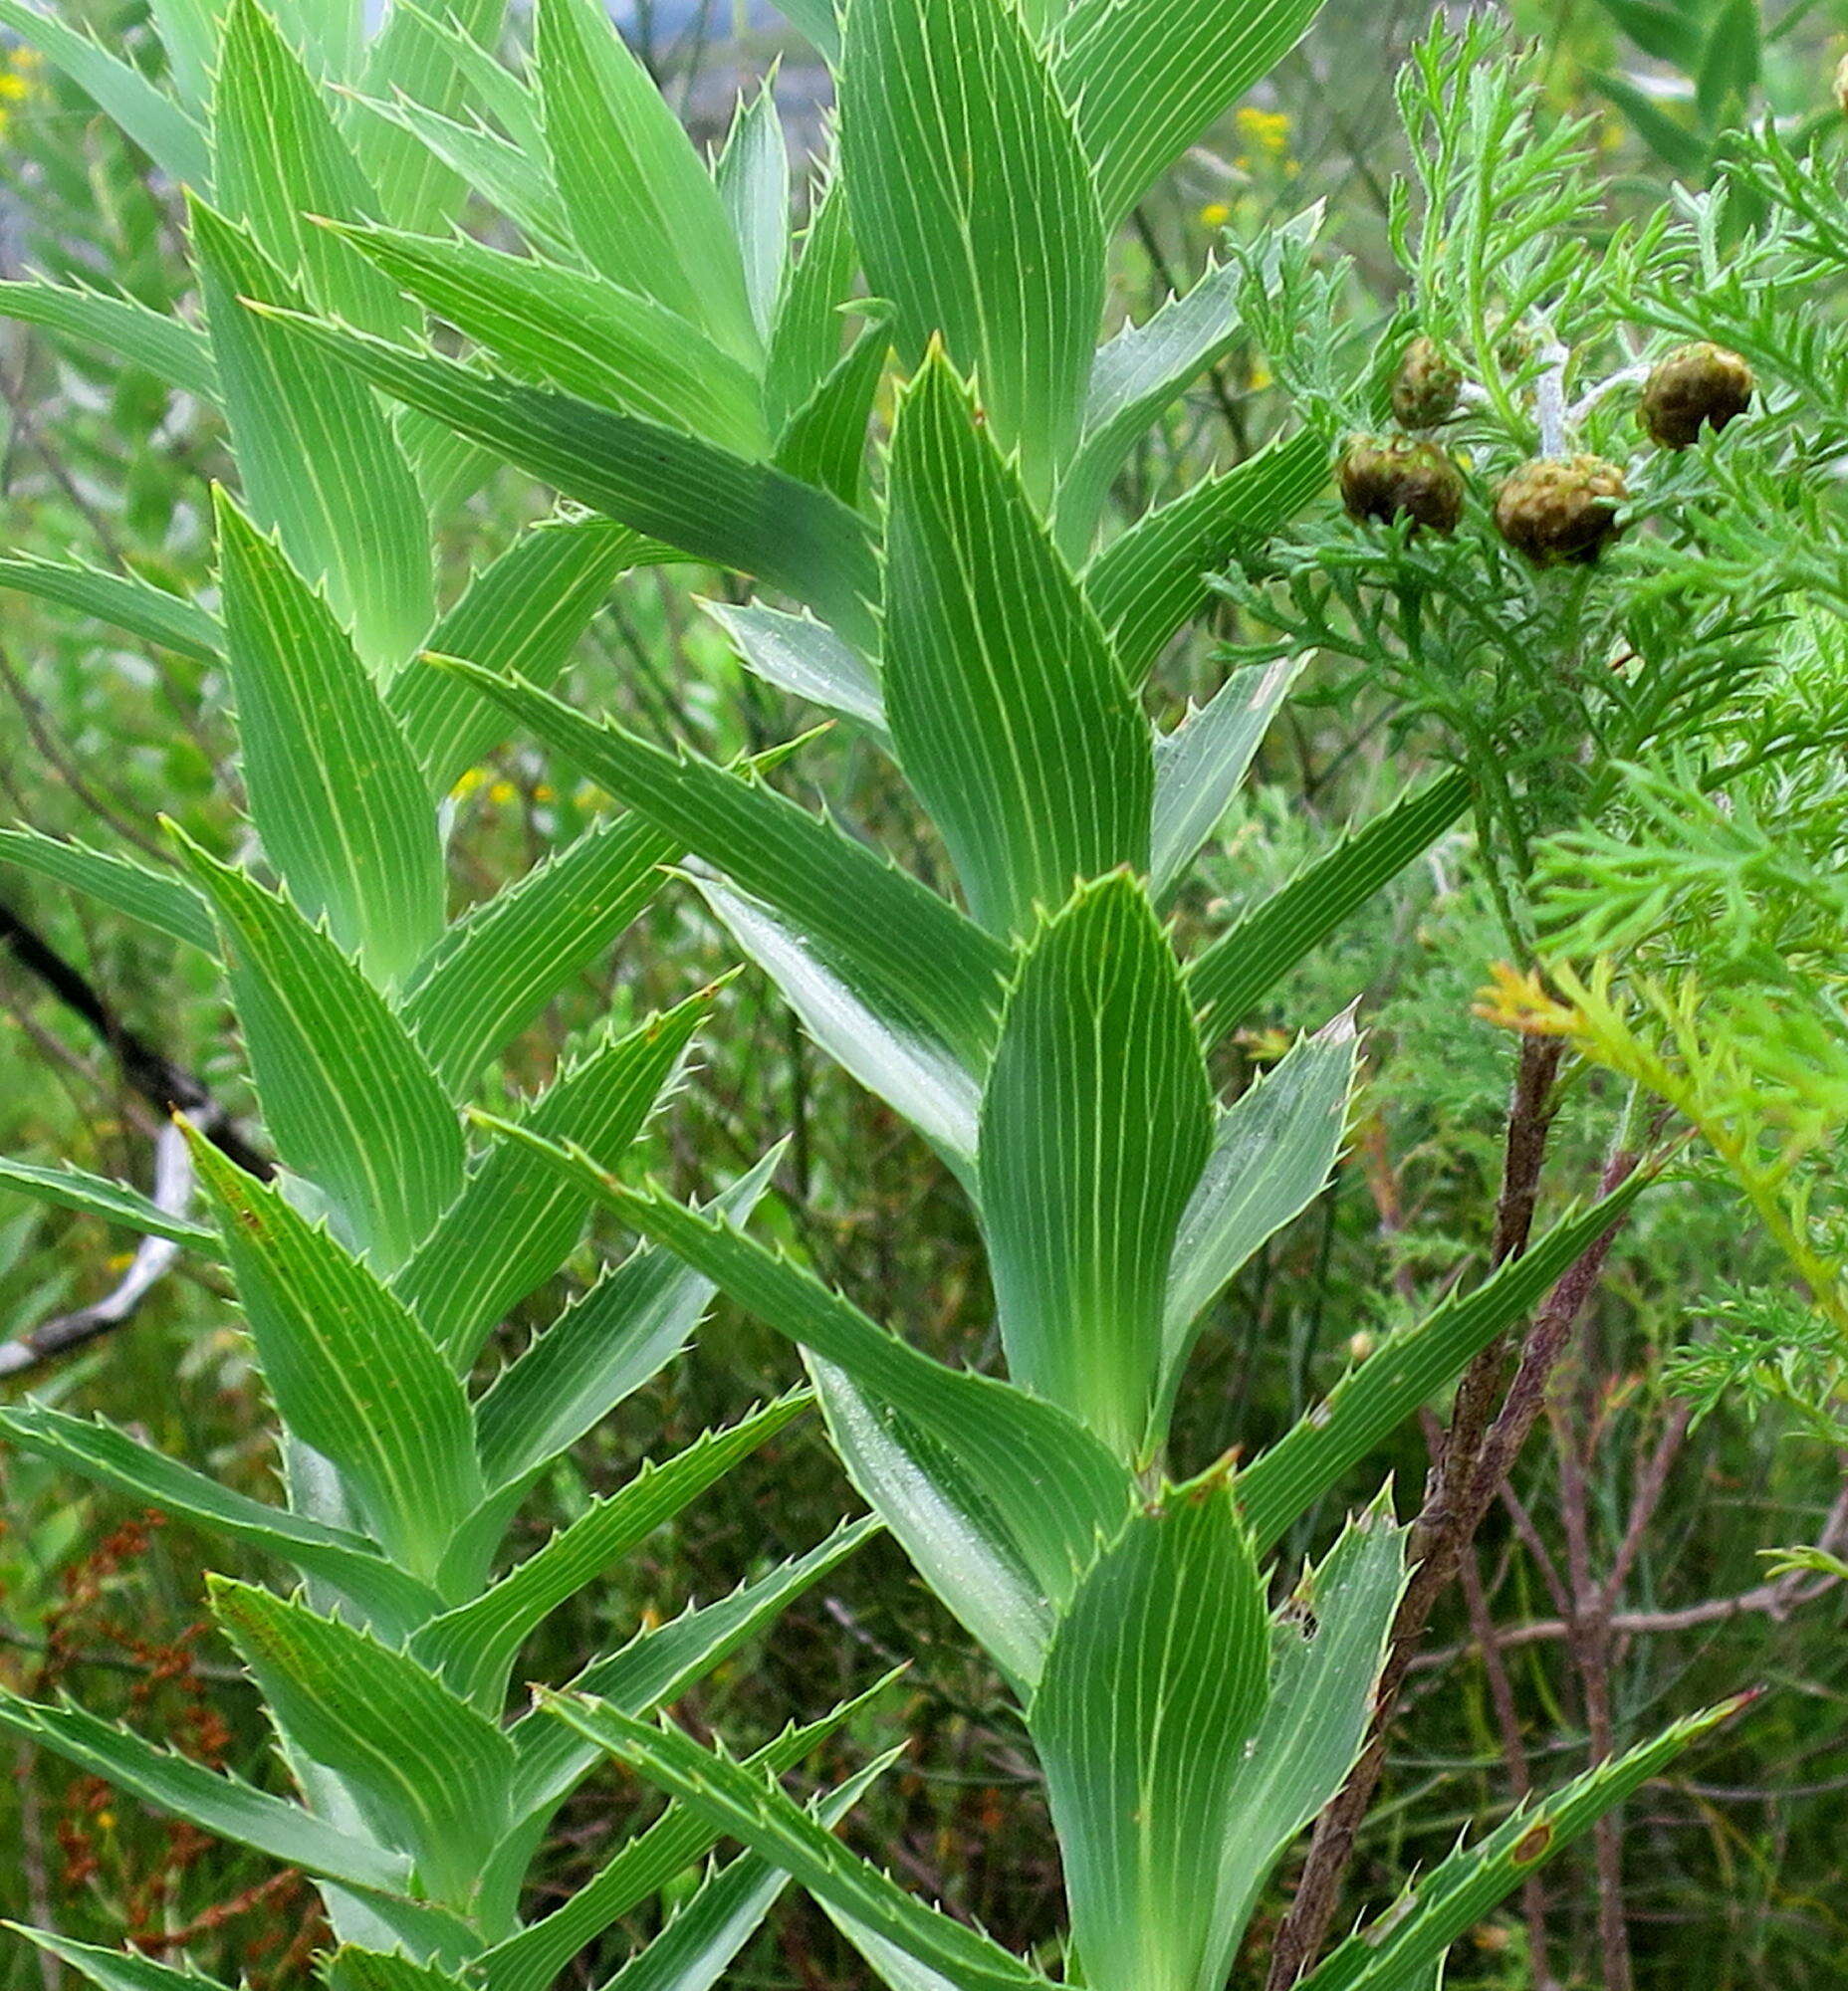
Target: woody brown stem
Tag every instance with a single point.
(1477, 1448)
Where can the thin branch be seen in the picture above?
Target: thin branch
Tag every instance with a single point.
(151, 1263)
(1589, 1641)
(1775, 1600)
(1474, 1461)
(152, 1073)
(164, 1084)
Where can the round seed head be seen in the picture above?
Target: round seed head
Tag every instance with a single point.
(1696, 386)
(1426, 389)
(1399, 477)
(1560, 511)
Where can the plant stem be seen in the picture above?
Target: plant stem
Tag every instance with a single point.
(1462, 1484)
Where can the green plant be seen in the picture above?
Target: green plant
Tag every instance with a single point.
(375, 1256)
(1694, 928)
(661, 353)
(1050, 1044)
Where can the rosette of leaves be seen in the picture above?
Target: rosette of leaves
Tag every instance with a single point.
(1040, 1030)
(375, 1263)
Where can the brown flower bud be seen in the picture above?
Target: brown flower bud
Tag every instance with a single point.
(1515, 342)
(1426, 389)
(1696, 386)
(1400, 478)
(1560, 511)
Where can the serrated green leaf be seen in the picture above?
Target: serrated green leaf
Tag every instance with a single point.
(705, 1931)
(449, 468)
(823, 442)
(936, 965)
(1146, 78)
(347, 1098)
(188, 32)
(1198, 766)
(754, 1807)
(428, 1773)
(515, 1222)
(1147, 584)
(469, 35)
(1272, 1157)
(393, 1601)
(975, 211)
(804, 658)
(709, 1930)
(805, 347)
(216, 1802)
(1408, 1368)
(472, 1648)
(642, 206)
(658, 1665)
(605, 1346)
(648, 1863)
(699, 499)
(752, 172)
(524, 614)
(116, 1969)
(1235, 971)
(1401, 1948)
(1134, 377)
(156, 898)
(573, 330)
(316, 455)
(112, 1202)
(1329, 1645)
(124, 599)
(352, 1968)
(448, 1939)
(1155, 1683)
(167, 347)
(151, 118)
(435, 63)
(1005, 701)
(941, 1517)
(1095, 1124)
(515, 181)
(335, 792)
(495, 969)
(282, 161)
(352, 1373)
(861, 1024)
(329, 33)
(1053, 1486)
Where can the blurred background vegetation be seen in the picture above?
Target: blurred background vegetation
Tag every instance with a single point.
(1735, 1874)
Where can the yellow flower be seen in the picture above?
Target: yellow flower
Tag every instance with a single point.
(503, 792)
(1517, 1001)
(1266, 130)
(1215, 214)
(545, 792)
(468, 781)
